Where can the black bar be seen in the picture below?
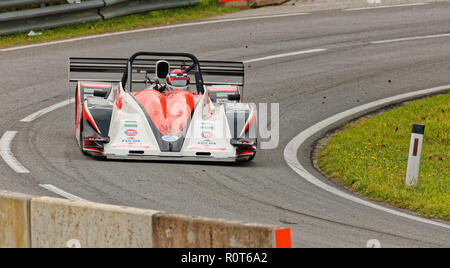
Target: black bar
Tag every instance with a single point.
(105, 65)
(418, 129)
(192, 65)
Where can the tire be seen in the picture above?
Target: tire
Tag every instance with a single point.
(81, 133)
(251, 157)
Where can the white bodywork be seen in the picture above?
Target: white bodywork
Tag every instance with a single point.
(131, 137)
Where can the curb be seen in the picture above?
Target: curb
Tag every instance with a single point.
(291, 150)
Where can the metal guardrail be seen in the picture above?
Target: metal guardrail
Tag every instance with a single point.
(92, 10)
(117, 8)
(20, 3)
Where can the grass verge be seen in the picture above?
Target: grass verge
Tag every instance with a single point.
(206, 8)
(370, 156)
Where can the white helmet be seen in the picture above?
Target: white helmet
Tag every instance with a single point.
(178, 80)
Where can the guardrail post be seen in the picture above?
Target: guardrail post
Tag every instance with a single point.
(415, 150)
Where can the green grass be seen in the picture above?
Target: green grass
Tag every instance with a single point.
(370, 157)
(206, 8)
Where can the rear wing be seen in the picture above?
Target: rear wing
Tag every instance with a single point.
(113, 69)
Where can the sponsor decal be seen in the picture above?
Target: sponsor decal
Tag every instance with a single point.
(222, 88)
(206, 142)
(177, 78)
(206, 126)
(131, 132)
(131, 140)
(96, 85)
(170, 138)
(206, 134)
(223, 95)
(89, 90)
(130, 124)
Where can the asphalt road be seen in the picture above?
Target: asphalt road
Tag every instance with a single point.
(309, 88)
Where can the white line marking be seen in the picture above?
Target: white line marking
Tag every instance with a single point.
(60, 192)
(47, 110)
(411, 38)
(6, 154)
(290, 152)
(152, 29)
(286, 55)
(377, 7)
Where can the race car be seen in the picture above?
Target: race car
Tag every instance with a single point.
(161, 108)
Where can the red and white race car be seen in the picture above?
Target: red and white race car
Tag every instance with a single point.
(161, 108)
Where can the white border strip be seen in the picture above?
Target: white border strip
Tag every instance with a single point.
(60, 192)
(286, 55)
(410, 38)
(152, 29)
(47, 110)
(290, 152)
(377, 7)
(6, 154)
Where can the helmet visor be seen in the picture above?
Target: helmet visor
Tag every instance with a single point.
(179, 81)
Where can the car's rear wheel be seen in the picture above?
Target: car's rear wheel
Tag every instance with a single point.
(81, 134)
(246, 153)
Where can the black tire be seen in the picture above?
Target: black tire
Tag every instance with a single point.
(81, 133)
(251, 157)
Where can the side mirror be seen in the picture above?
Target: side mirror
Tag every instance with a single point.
(100, 93)
(234, 97)
(162, 69)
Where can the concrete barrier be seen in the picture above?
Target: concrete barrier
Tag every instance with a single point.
(178, 231)
(45, 222)
(14, 220)
(57, 222)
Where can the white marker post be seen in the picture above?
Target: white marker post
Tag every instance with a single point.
(415, 150)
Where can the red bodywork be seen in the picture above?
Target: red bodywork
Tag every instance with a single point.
(169, 112)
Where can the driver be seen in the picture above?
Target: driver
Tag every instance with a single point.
(177, 80)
